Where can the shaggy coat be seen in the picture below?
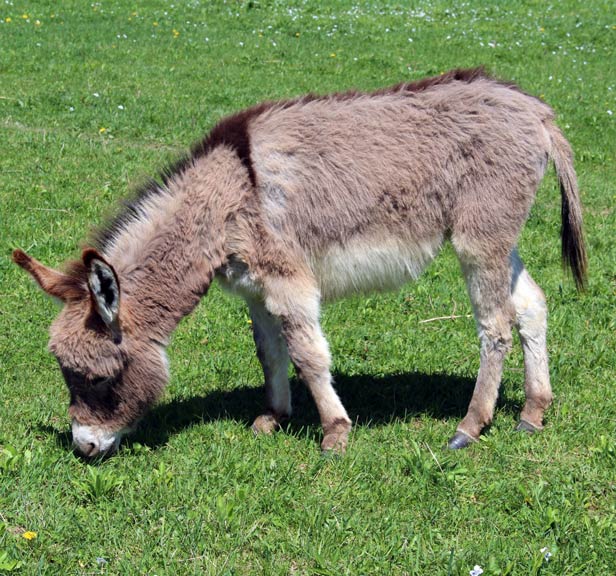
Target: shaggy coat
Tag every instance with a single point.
(291, 203)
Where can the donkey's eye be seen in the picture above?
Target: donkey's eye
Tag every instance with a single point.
(101, 382)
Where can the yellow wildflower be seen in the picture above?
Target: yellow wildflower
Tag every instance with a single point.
(25, 16)
(8, 19)
(29, 535)
(175, 33)
(102, 130)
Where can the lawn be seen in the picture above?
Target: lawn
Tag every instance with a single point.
(94, 98)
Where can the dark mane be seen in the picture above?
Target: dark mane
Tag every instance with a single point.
(231, 131)
(130, 207)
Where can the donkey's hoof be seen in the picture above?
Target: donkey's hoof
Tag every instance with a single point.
(336, 437)
(526, 426)
(265, 424)
(460, 440)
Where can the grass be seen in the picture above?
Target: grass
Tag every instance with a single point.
(96, 96)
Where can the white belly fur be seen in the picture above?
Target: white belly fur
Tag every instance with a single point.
(368, 265)
(361, 266)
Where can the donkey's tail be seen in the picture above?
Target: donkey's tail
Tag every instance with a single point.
(571, 234)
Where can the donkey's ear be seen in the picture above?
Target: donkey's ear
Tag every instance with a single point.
(104, 287)
(56, 284)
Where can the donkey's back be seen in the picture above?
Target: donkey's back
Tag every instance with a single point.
(362, 189)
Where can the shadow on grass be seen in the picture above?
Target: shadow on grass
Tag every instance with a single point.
(369, 400)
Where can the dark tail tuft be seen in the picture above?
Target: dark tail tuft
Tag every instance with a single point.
(572, 234)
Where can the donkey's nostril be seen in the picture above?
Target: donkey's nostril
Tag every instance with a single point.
(88, 448)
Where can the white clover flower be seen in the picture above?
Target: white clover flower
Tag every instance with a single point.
(476, 571)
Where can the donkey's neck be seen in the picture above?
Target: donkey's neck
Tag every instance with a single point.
(166, 257)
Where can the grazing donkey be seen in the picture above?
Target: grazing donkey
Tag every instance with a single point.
(290, 203)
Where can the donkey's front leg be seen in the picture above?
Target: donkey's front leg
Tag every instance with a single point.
(310, 354)
(274, 357)
(297, 304)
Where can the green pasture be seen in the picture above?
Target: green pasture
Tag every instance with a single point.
(97, 96)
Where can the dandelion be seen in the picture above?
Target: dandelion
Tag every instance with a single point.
(8, 20)
(29, 535)
(175, 33)
(102, 130)
(476, 571)
(25, 16)
(332, 55)
(154, 23)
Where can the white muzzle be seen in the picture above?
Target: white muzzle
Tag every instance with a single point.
(94, 440)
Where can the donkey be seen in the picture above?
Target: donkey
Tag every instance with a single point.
(294, 202)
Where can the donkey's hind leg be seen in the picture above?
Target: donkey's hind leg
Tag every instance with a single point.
(531, 323)
(274, 357)
(295, 300)
(488, 285)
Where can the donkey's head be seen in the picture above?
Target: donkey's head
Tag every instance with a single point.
(113, 372)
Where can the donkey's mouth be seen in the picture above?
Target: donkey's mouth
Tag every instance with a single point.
(92, 441)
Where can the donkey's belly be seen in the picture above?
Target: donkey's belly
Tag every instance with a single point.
(368, 264)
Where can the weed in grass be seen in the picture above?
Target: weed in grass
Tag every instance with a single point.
(98, 484)
(7, 564)
(11, 459)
